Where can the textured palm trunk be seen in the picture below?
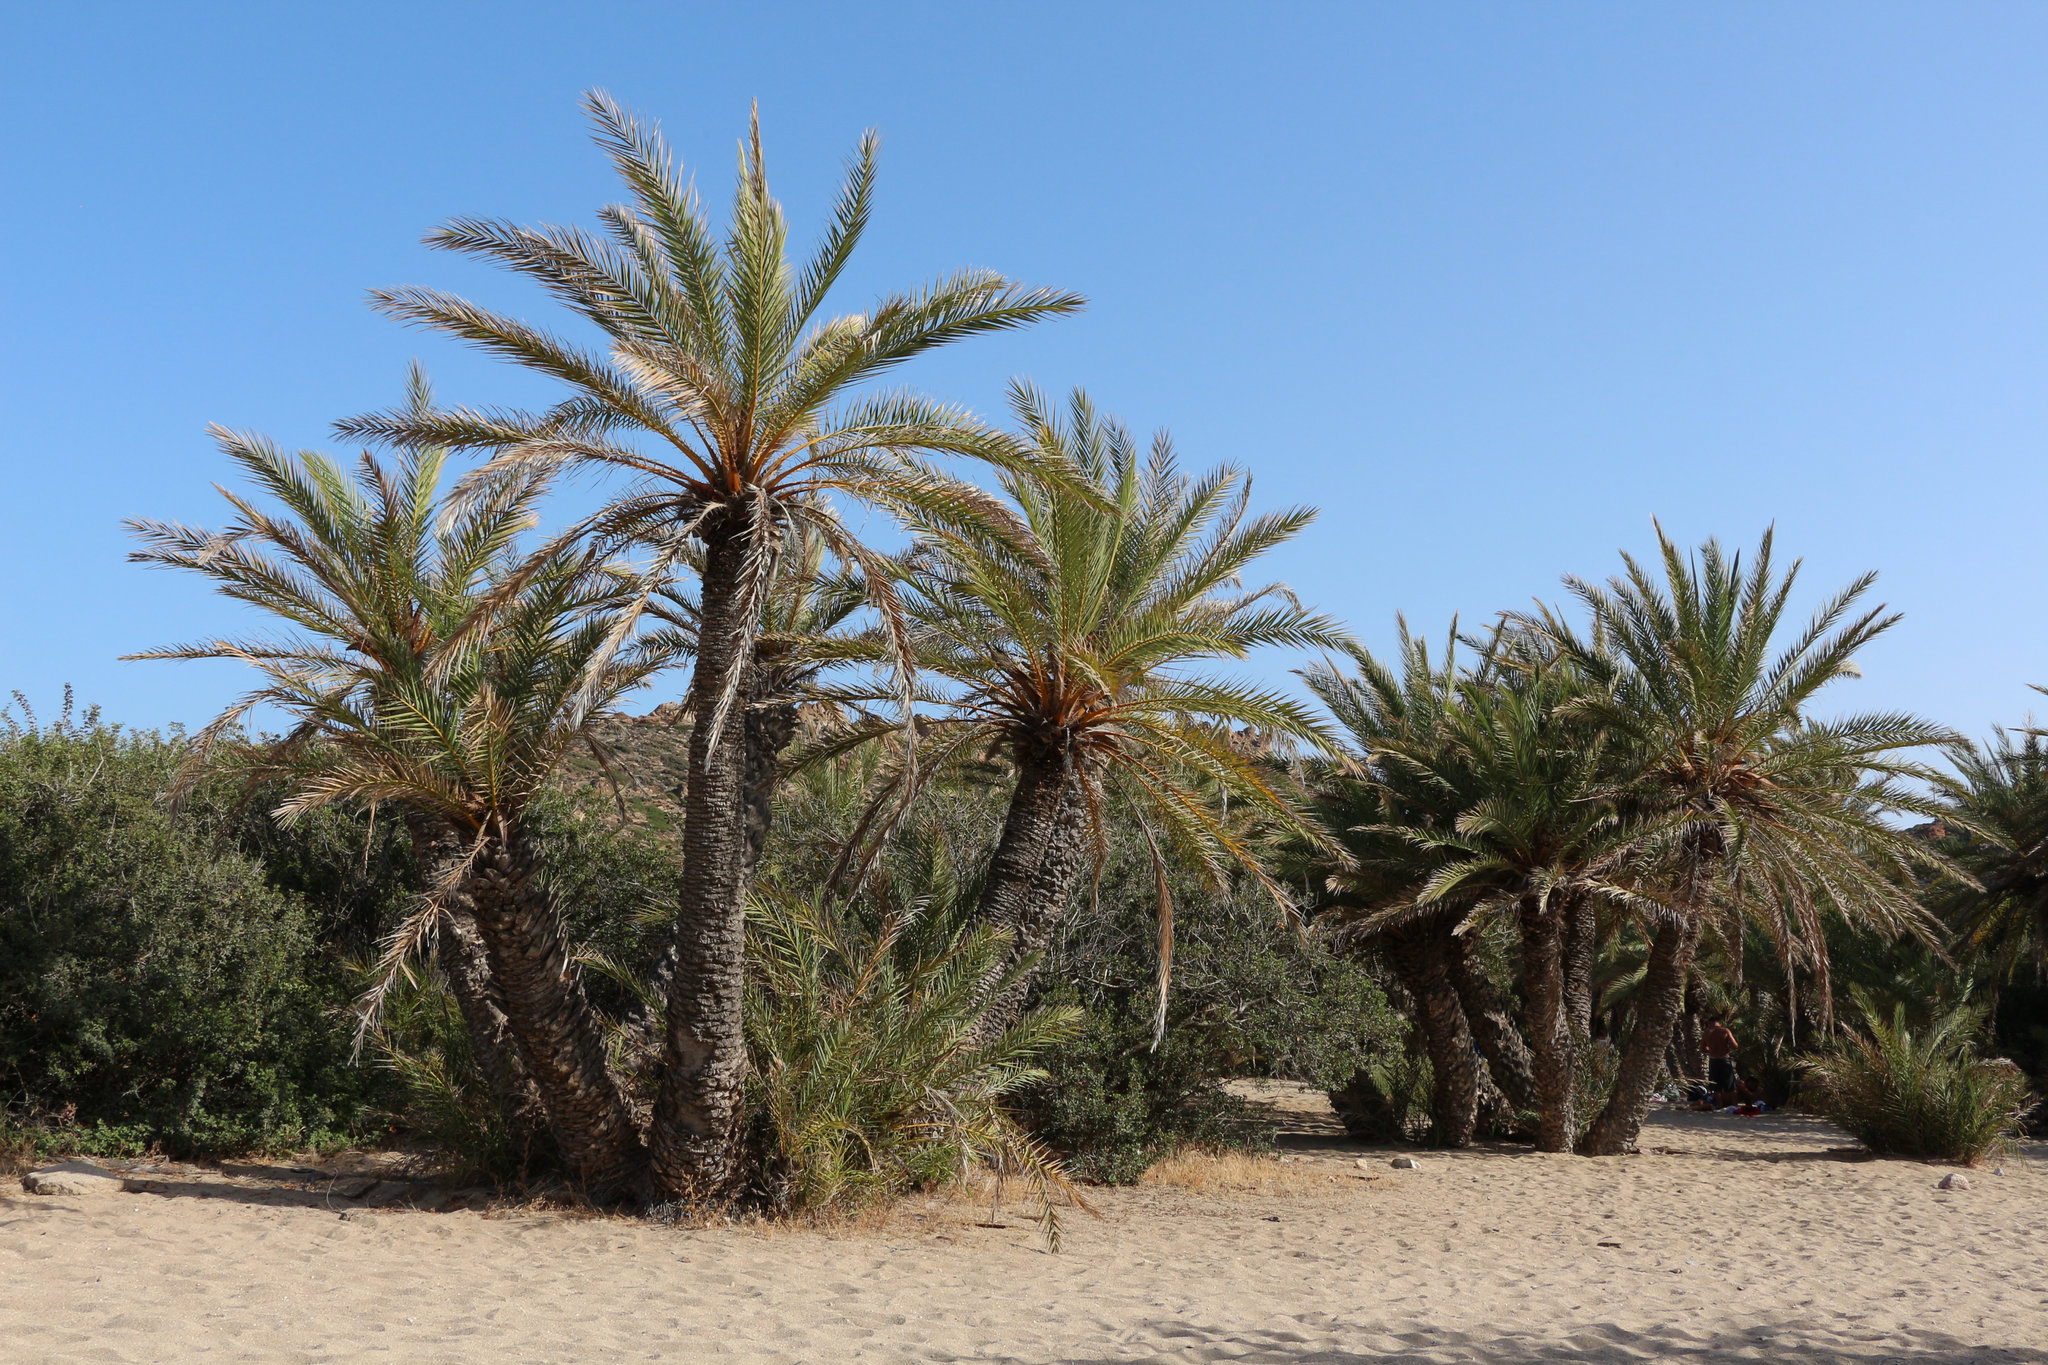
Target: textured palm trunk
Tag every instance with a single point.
(1419, 954)
(560, 1039)
(465, 963)
(694, 1131)
(1580, 947)
(770, 727)
(1036, 864)
(1642, 1060)
(1691, 1054)
(1550, 1034)
(1492, 1022)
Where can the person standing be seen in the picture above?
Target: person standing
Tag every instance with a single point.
(1719, 1044)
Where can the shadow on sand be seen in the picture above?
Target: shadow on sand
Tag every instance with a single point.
(1597, 1345)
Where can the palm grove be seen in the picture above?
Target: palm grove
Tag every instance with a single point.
(932, 799)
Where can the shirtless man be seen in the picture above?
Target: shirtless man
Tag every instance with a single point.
(1719, 1044)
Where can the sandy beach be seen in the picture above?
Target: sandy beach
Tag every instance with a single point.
(1725, 1240)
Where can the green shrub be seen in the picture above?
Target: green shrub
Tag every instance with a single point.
(872, 1073)
(155, 988)
(1922, 1092)
(1250, 998)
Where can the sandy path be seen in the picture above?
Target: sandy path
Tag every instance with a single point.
(1743, 1241)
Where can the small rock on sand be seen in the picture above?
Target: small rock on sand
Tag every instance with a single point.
(1405, 1163)
(72, 1178)
(1953, 1181)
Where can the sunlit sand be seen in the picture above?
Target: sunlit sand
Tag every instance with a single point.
(1727, 1240)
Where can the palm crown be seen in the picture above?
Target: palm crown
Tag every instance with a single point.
(1067, 643)
(1767, 811)
(717, 355)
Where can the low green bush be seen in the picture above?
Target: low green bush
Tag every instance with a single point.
(1922, 1092)
(1251, 997)
(873, 1073)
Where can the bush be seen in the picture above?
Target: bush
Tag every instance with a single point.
(1922, 1092)
(155, 988)
(1250, 998)
(872, 1076)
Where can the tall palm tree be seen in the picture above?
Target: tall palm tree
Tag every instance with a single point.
(1068, 646)
(1750, 805)
(725, 392)
(457, 719)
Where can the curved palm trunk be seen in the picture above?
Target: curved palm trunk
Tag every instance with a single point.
(1492, 1022)
(1657, 1006)
(1550, 1034)
(464, 961)
(697, 1108)
(1036, 864)
(1419, 956)
(558, 1033)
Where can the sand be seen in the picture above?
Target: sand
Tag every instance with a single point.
(1726, 1240)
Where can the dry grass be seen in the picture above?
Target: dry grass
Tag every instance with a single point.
(17, 1151)
(1207, 1172)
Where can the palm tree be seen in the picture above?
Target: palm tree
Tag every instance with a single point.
(1749, 806)
(1389, 802)
(1536, 843)
(457, 718)
(1996, 821)
(718, 359)
(1066, 645)
(376, 586)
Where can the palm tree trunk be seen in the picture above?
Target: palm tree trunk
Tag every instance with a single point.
(1685, 1040)
(771, 726)
(697, 1109)
(1492, 1023)
(1419, 954)
(558, 1033)
(1581, 945)
(465, 963)
(1657, 1005)
(1550, 1034)
(1036, 863)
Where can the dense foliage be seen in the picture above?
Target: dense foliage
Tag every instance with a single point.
(1251, 996)
(157, 983)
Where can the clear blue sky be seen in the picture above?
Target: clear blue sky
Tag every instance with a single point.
(1491, 285)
